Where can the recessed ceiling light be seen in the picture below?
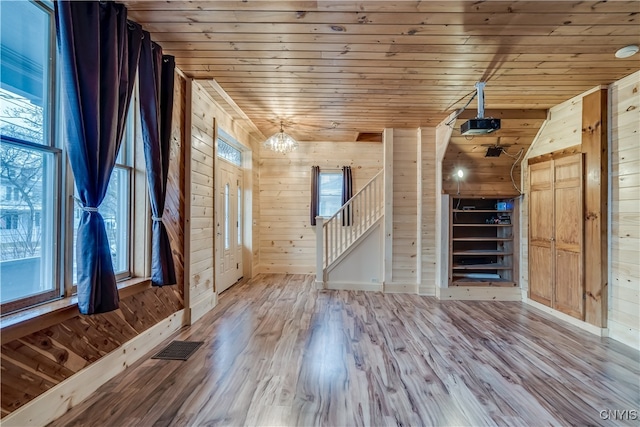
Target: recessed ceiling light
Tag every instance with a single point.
(627, 51)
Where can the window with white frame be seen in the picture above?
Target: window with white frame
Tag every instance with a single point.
(330, 190)
(30, 161)
(37, 229)
(116, 208)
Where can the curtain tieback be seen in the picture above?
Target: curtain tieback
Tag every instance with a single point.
(156, 218)
(85, 208)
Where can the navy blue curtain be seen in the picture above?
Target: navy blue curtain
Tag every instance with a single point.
(156, 106)
(347, 193)
(98, 51)
(314, 206)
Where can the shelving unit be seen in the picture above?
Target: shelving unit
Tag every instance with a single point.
(482, 243)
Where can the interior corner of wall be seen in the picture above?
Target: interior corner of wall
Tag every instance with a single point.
(186, 317)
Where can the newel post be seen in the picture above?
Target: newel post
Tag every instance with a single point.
(319, 253)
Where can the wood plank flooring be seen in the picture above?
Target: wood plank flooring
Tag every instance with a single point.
(278, 352)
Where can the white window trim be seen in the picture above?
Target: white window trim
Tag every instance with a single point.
(326, 171)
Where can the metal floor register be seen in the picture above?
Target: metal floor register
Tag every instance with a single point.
(178, 350)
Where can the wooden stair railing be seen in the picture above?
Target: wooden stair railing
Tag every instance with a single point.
(338, 233)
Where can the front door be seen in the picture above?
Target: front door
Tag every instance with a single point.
(228, 225)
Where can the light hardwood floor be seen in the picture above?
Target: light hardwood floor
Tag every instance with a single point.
(278, 352)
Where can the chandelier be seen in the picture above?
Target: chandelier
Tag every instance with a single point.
(281, 142)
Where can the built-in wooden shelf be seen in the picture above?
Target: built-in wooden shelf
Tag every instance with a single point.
(482, 239)
(482, 248)
(479, 210)
(480, 267)
(472, 252)
(482, 225)
(503, 283)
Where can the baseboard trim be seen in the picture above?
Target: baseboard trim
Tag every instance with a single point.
(355, 286)
(204, 305)
(478, 293)
(427, 291)
(400, 288)
(56, 401)
(601, 332)
(625, 334)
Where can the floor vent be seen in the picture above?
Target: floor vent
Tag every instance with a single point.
(178, 350)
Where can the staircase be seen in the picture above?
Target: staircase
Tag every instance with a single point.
(336, 236)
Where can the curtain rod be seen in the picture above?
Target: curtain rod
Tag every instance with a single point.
(338, 169)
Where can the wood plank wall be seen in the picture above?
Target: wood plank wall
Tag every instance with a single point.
(406, 152)
(561, 131)
(236, 126)
(287, 240)
(429, 176)
(201, 256)
(563, 128)
(206, 116)
(624, 298)
(38, 361)
(174, 208)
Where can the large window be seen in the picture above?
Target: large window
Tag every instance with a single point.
(30, 162)
(116, 206)
(38, 222)
(330, 193)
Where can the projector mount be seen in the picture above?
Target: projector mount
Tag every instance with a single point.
(480, 125)
(480, 92)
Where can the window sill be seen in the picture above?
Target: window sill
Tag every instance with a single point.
(27, 321)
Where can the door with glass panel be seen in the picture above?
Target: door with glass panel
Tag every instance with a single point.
(228, 225)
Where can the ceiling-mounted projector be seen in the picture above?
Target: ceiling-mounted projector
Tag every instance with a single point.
(480, 125)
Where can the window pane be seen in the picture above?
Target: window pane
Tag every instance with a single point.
(330, 193)
(229, 153)
(125, 154)
(330, 205)
(239, 216)
(115, 212)
(27, 221)
(227, 240)
(24, 71)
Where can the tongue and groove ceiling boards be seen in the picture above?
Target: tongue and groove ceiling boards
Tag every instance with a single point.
(333, 69)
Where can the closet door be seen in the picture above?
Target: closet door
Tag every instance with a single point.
(541, 232)
(556, 234)
(569, 231)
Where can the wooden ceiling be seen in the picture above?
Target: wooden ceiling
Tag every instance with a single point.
(333, 69)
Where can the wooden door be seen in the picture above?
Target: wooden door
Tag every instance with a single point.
(556, 234)
(541, 232)
(568, 205)
(228, 225)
